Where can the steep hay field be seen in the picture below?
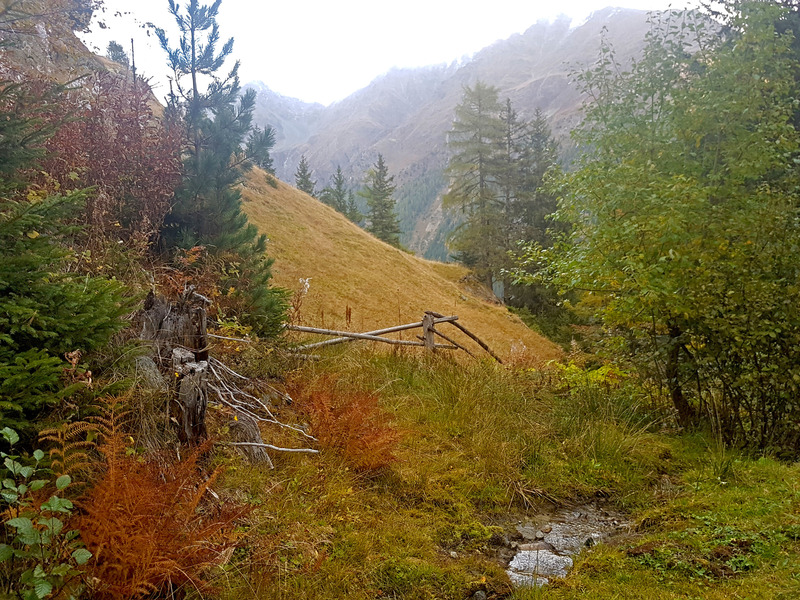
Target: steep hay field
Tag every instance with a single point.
(349, 270)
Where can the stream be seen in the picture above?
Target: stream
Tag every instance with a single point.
(550, 541)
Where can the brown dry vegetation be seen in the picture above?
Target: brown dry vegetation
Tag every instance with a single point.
(382, 286)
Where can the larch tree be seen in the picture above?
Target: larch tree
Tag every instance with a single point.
(475, 143)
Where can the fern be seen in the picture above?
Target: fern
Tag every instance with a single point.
(351, 424)
(146, 526)
(70, 447)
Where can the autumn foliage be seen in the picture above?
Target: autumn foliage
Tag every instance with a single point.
(149, 528)
(116, 144)
(350, 423)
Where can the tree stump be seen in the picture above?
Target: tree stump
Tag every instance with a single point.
(177, 331)
(190, 398)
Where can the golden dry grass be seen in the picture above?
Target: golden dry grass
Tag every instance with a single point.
(381, 285)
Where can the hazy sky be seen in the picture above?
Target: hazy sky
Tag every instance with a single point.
(324, 50)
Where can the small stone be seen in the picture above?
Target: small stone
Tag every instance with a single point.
(453, 554)
(539, 535)
(526, 579)
(547, 529)
(538, 545)
(479, 595)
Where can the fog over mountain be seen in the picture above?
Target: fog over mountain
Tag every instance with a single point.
(406, 113)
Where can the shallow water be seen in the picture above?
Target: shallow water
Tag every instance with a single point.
(550, 541)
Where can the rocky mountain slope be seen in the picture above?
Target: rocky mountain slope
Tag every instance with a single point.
(405, 114)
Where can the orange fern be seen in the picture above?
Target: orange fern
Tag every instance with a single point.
(147, 528)
(350, 423)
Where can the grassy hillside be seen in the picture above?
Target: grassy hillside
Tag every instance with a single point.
(382, 286)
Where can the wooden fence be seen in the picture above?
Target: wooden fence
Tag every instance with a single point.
(427, 340)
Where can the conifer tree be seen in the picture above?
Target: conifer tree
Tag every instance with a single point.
(217, 122)
(46, 309)
(302, 178)
(259, 145)
(115, 52)
(335, 194)
(476, 142)
(353, 213)
(378, 189)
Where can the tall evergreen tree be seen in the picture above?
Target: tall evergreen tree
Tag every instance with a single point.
(217, 121)
(378, 189)
(534, 200)
(353, 213)
(335, 194)
(475, 142)
(303, 180)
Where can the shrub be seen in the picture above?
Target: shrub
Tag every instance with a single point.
(350, 423)
(144, 525)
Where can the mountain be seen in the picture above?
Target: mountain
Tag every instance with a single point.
(406, 113)
(359, 283)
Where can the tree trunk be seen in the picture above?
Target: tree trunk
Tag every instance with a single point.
(685, 412)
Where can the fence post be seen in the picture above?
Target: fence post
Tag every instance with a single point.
(427, 332)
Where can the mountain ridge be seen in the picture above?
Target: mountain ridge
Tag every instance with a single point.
(405, 114)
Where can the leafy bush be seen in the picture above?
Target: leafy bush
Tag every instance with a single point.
(38, 557)
(47, 308)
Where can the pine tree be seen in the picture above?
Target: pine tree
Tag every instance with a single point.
(259, 145)
(335, 194)
(302, 178)
(217, 121)
(115, 52)
(353, 213)
(535, 201)
(378, 189)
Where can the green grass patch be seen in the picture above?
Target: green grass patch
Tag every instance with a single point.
(484, 447)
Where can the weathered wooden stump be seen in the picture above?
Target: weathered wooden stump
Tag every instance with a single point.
(177, 330)
(190, 398)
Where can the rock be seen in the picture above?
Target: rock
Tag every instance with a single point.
(479, 595)
(538, 545)
(547, 529)
(539, 535)
(527, 532)
(544, 563)
(148, 374)
(453, 554)
(526, 579)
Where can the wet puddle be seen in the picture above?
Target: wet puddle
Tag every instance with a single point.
(549, 542)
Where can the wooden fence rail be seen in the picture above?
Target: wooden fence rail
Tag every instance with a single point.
(426, 340)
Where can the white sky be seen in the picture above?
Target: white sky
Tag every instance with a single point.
(324, 50)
